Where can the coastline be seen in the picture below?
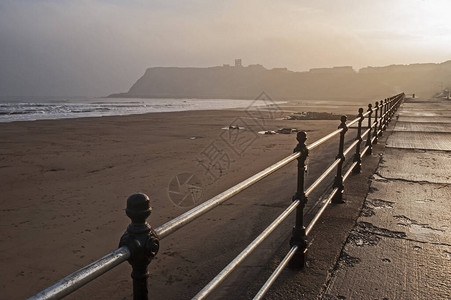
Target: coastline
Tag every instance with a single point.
(103, 107)
(65, 182)
(25, 109)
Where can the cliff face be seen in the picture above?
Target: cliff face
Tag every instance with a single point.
(236, 82)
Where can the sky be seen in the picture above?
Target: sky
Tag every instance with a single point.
(95, 48)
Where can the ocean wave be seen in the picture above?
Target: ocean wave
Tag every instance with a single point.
(98, 107)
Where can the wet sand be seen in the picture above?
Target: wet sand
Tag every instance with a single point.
(64, 184)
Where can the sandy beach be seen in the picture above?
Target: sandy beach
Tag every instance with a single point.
(64, 184)
(191, 103)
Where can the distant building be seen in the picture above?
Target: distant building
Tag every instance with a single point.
(238, 62)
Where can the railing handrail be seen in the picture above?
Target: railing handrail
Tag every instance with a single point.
(79, 278)
(189, 216)
(246, 252)
(295, 248)
(180, 221)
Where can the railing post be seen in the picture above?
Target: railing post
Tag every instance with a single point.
(357, 158)
(368, 140)
(376, 121)
(392, 109)
(381, 119)
(386, 112)
(141, 240)
(389, 101)
(338, 183)
(298, 236)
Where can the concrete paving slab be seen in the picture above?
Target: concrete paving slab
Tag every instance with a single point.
(392, 269)
(424, 127)
(415, 107)
(400, 247)
(420, 140)
(414, 211)
(425, 113)
(426, 101)
(416, 165)
(425, 106)
(446, 120)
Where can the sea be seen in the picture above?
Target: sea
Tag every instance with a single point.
(14, 109)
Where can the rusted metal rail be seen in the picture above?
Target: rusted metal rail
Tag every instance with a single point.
(140, 242)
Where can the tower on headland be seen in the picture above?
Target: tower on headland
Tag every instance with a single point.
(238, 62)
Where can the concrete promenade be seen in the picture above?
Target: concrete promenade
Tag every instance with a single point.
(400, 247)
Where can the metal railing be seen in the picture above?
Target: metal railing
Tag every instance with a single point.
(140, 242)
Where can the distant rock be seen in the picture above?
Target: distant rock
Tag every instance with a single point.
(287, 130)
(308, 115)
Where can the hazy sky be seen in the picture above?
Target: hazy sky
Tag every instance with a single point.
(94, 48)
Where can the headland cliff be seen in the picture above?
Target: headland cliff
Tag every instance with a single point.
(247, 82)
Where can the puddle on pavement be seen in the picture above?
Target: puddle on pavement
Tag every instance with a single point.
(424, 201)
(423, 231)
(379, 203)
(405, 220)
(379, 178)
(359, 242)
(371, 205)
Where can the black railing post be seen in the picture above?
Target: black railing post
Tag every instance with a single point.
(389, 110)
(386, 113)
(141, 240)
(393, 108)
(368, 141)
(381, 119)
(338, 183)
(298, 236)
(376, 122)
(357, 158)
